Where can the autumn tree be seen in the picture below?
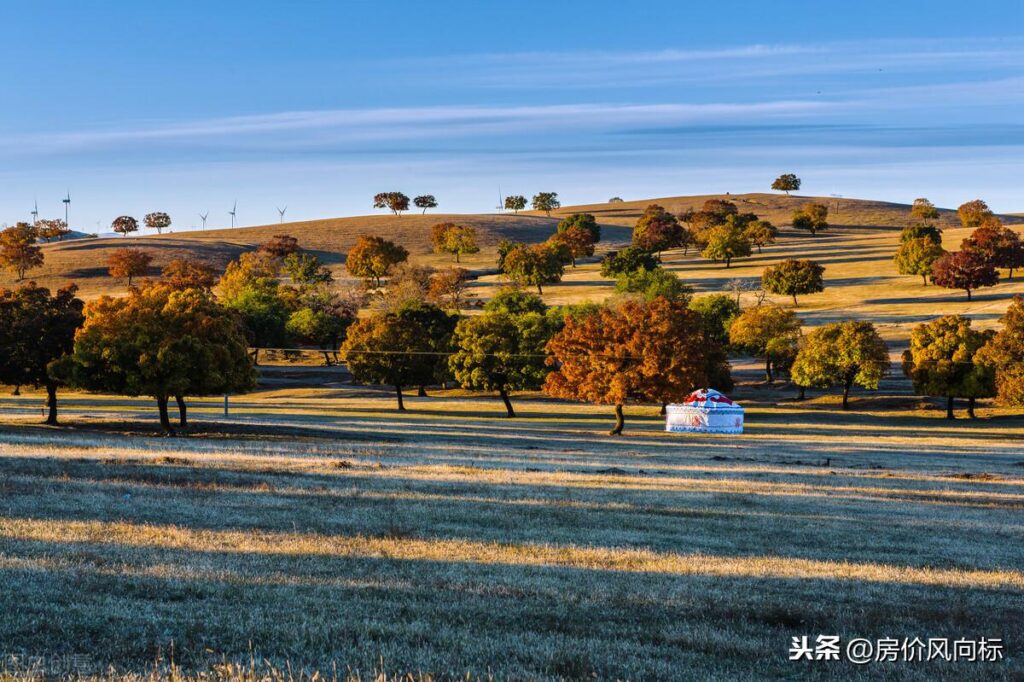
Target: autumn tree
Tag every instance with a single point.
(454, 239)
(794, 277)
(811, 217)
(768, 332)
(425, 201)
(36, 329)
(251, 288)
(761, 233)
(448, 288)
(161, 342)
(657, 230)
(396, 202)
(515, 203)
(998, 244)
(535, 265)
(305, 269)
(787, 182)
(640, 351)
(972, 213)
(397, 348)
(650, 284)
(18, 249)
(581, 220)
(923, 210)
(406, 283)
(842, 354)
(546, 201)
(725, 243)
(922, 231)
(280, 246)
(1004, 354)
(183, 273)
(158, 221)
(124, 224)
(941, 361)
(128, 264)
(967, 270)
(577, 241)
(628, 259)
(373, 257)
(916, 257)
(52, 230)
(502, 352)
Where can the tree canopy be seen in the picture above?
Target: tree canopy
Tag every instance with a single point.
(842, 354)
(726, 242)
(941, 361)
(657, 230)
(534, 265)
(650, 284)
(761, 233)
(585, 221)
(515, 203)
(629, 259)
(124, 224)
(158, 221)
(454, 239)
(373, 257)
(794, 277)
(967, 270)
(922, 209)
(1004, 354)
(576, 240)
(280, 246)
(921, 231)
(546, 201)
(183, 273)
(718, 312)
(811, 217)
(515, 301)
(998, 244)
(787, 182)
(916, 257)
(128, 264)
(768, 332)
(973, 213)
(18, 250)
(425, 201)
(396, 202)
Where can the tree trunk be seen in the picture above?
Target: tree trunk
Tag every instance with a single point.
(968, 294)
(17, 390)
(457, 257)
(182, 410)
(540, 292)
(846, 394)
(803, 393)
(664, 409)
(768, 369)
(728, 263)
(165, 420)
(422, 392)
(795, 304)
(398, 394)
(256, 357)
(619, 421)
(924, 278)
(509, 412)
(51, 403)
(970, 407)
(949, 407)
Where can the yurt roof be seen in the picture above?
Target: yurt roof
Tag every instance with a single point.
(710, 399)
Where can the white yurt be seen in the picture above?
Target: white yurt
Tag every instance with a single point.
(705, 411)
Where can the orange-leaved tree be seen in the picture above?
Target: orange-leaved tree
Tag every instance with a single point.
(128, 264)
(641, 351)
(18, 250)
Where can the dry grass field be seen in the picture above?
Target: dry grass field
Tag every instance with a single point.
(316, 529)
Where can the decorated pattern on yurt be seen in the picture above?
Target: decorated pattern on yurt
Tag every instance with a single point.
(705, 411)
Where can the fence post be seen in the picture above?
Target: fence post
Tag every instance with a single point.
(225, 404)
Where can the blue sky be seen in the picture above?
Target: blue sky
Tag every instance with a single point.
(186, 106)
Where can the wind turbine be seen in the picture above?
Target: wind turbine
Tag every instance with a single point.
(203, 216)
(232, 212)
(280, 212)
(35, 213)
(67, 204)
(501, 200)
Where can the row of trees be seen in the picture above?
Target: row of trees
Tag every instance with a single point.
(398, 203)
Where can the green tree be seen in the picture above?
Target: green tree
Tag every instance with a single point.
(725, 243)
(454, 239)
(515, 301)
(794, 277)
(922, 209)
(922, 231)
(515, 203)
(628, 259)
(717, 312)
(842, 354)
(761, 233)
(967, 270)
(787, 182)
(1004, 354)
(500, 352)
(812, 217)
(425, 201)
(657, 230)
(916, 257)
(373, 257)
(585, 221)
(321, 317)
(546, 201)
(250, 288)
(18, 250)
(535, 265)
(35, 330)
(768, 332)
(941, 361)
(161, 342)
(651, 284)
(305, 269)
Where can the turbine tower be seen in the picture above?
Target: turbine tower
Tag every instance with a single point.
(35, 213)
(203, 216)
(67, 204)
(280, 212)
(232, 212)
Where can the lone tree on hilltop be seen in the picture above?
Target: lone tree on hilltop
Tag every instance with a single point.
(842, 354)
(615, 200)
(373, 257)
(35, 330)
(941, 361)
(160, 342)
(18, 250)
(641, 351)
(425, 201)
(917, 256)
(535, 265)
(454, 239)
(768, 332)
(396, 202)
(582, 220)
(812, 218)
(998, 244)
(546, 201)
(501, 352)
(726, 242)
(1004, 354)
(922, 209)
(657, 230)
(158, 221)
(973, 213)
(128, 264)
(515, 203)
(794, 277)
(967, 270)
(787, 182)
(124, 224)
